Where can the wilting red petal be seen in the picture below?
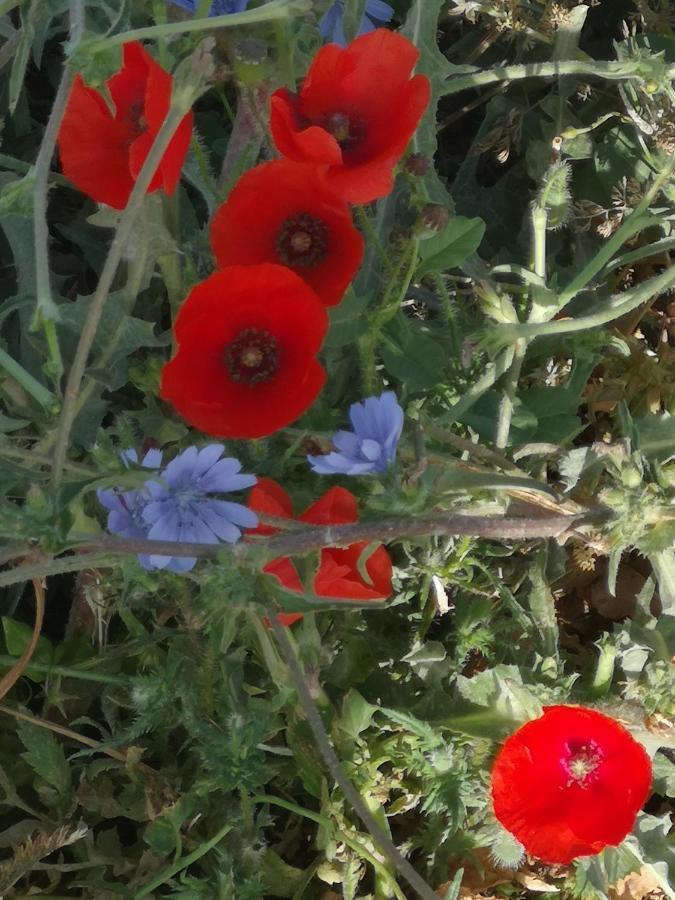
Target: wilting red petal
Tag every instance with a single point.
(359, 101)
(570, 783)
(94, 147)
(336, 507)
(338, 576)
(269, 498)
(218, 314)
(103, 150)
(279, 200)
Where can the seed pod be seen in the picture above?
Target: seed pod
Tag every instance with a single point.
(554, 195)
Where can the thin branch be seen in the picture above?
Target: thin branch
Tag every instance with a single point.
(103, 553)
(334, 766)
(95, 311)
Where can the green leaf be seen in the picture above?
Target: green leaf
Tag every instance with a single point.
(357, 714)
(500, 701)
(45, 757)
(663, 564)
(542, 606)
(18, 636)
(415, 358)
(459, 239)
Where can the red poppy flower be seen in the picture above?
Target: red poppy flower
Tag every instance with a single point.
(247, 340)
(338, 575)
(285, 212)
(355, 113)
(102, 151)
(569, 783)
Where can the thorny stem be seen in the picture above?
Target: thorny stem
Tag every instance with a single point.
(103, 553)
(117, 248)
(612, 70)
(275, 9)
(334, 766)
(366, 226)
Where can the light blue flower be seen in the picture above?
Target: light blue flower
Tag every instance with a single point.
(125, 508)
(218, 7)
(181, 505)
(377, 424)
(331, 26)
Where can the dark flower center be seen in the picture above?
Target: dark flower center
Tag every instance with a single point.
(582, 761)
(136, 117)
(348, 130)
(253, 356)
(302, 241)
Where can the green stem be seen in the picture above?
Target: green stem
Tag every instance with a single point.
(539, 221)
(633, 223)
(493, 371)
(329, 826)
(285, 54)
(66, 671)
(505, 414)
(276, 9)
(47, 312)
(30, 458)
(615, 71)
(618, 305)
(30, 384)
(334, 766)
(95, 311)
(182, 863)
(366, 226)
(444, 294)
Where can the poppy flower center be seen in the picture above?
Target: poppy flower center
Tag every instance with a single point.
(581, 761)
(253, 356)
(348, 130)
(136, 117)
(302, 241)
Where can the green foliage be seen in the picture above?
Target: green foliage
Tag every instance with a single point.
(173, 756)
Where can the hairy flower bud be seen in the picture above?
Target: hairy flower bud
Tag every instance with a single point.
(417, 164)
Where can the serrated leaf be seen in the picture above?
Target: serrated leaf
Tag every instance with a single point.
(45, 757)
(459, 239)
(415, 358)
(663, 564)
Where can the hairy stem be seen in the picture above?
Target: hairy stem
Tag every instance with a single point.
(47, 313)
(274, 10)
(612, 70)
(334, 766)
(117, 248)
(105, 552)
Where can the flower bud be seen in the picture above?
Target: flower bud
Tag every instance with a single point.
(431, 220)
(249, 60)
(417, 164)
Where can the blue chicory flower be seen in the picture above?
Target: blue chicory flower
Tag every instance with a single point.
(181, 506)
(331, 26)
(218, 7)
(377, 424)
(125, 508)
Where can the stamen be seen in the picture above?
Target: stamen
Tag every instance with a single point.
(348, 130)
(582, 761)
(303, 241)
(253, 356)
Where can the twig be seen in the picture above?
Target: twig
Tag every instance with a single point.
(102, 553)
(334, 766)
